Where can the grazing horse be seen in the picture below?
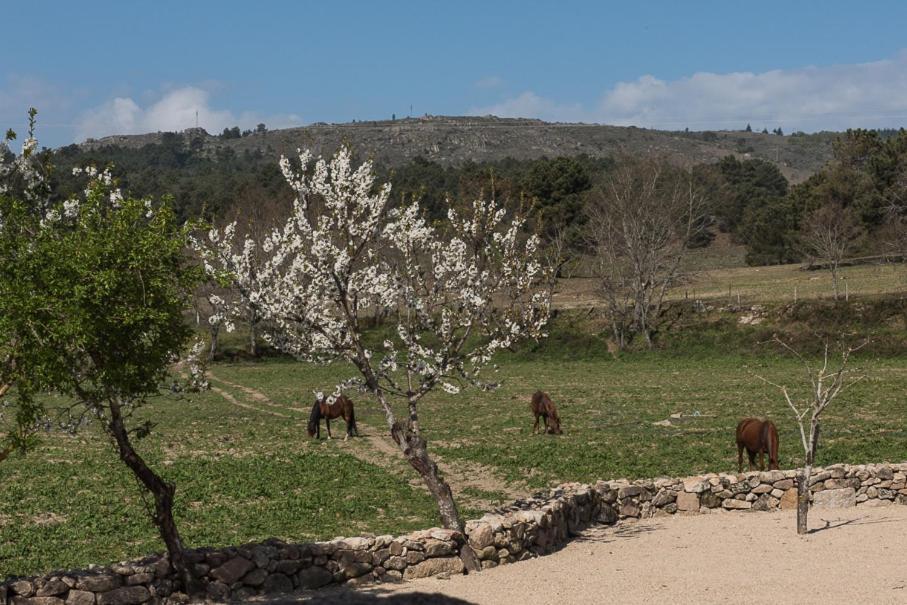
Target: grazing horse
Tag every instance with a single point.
(342, 407)
(758, 437)
(543, 407)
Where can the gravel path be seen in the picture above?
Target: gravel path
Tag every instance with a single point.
(860, 555)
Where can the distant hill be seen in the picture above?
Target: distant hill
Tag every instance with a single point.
(455, 140)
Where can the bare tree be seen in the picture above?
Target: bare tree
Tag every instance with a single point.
(825, 384)
(640, 224)
(829, 233)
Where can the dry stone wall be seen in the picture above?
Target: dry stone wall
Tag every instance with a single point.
(527, 528)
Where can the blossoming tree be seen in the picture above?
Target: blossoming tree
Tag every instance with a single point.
(235, 267)
(457, 294)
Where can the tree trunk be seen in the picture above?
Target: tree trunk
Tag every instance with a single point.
(253, 345)
(162, 492)
(416, 452)
(215, 330)
(803, 499)
(834, 278)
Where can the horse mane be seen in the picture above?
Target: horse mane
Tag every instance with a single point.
(314, 417)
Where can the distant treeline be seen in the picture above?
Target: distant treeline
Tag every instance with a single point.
(748, 198)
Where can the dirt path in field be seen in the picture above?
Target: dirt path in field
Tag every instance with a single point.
(238, 403)
(860, 557)
(460, 475)
(472, 477)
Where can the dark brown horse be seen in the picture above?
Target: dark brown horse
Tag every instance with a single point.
(341, 407)
(543, 407)
(758, 437)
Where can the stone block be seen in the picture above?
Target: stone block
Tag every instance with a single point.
(128, 595)
(432, 567)
(835, 498)
(687, 501)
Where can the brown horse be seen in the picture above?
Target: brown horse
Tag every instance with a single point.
(341, 407)
(543, 407)
(758, 437)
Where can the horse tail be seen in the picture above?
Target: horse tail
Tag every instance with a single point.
(351, 423)
(314, 419)
(773, 443)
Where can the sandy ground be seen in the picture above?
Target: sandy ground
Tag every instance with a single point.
(851, 555)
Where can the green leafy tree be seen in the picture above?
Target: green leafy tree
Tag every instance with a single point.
(769, 231)
(92, 294)
(119, 280)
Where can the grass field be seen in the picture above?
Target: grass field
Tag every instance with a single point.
(246, 471)
(759, 285)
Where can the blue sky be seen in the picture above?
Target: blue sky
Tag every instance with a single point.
(96, 68)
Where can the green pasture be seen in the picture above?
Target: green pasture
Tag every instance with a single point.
(245, 470)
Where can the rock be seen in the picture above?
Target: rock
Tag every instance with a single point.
(397, 563)
(607, 514)
(629, 491)
(52, 589)
(687, 501)
(762, 488)
(835, 498)
(763, 503)
(80, 597)
(97, 584)
(395, 548)
(218, 591)
(161, 568)
(256, 577)
(734, 504)
(777, 493)
(771, 476)
(432, 567)
(711, 499)
(232, 570)
(664, 496)
(784, 484)
(287, 567)
(316, 577)
(438, 548)
(489, 552)
(629, 509)
(38, 601)
(414, 556)
(789, 499)
(481, 536)
(139, 578)
(357, 543)
(277, 582)
(877, 503)
(354, 569)
(862, 498)
(23, 588)
(696, 485)
(128, 595)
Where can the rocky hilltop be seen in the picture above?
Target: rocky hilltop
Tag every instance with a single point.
(454, 140)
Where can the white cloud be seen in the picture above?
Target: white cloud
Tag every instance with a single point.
(173, 112)
(868, 95)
